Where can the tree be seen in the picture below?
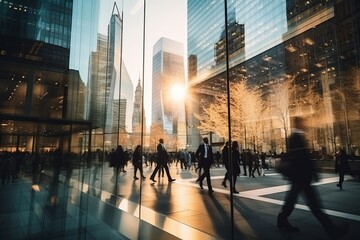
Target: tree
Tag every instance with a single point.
(279, 100)
(247, 108)
(156, 133)
(289, 99)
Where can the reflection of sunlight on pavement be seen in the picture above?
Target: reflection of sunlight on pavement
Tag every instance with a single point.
(187, 178)
(152, 217)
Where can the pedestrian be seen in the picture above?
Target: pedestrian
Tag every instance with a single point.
(256, 164)
(206, 157)
(217, 158)
(162, 161)
(120, 157)
(137, 162)
(236, 163)
(250, 161)
(342, 166)
(225, 160)
(263, 164)
(182, 158)
(188, 159)
(244, 160)
(299, 159)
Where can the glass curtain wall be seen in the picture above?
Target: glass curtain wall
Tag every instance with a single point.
(85, 82)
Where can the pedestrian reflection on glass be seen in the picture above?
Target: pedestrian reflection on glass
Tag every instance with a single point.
(301, 178)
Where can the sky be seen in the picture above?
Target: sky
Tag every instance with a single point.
(164, 18)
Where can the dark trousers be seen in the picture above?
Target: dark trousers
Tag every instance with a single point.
(250, 169)
(206, 166)
(244, 167)
(227, 177)
(158, 166)
(138, 165)
(341, 176)
(312, 200)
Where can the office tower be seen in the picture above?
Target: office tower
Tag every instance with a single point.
(235, 38)
(168, 72)
(138, 115)
(110, 81)
(97, 84)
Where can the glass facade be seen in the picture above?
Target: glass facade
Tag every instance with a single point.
(71, 118)
(280, 40)
(168, 72)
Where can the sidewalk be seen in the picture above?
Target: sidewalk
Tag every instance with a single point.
(179, 210)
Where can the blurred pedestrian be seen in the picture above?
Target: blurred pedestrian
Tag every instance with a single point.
(120, 157)
(256, 164)
(137, 162)
(263, 164)
(301, 183)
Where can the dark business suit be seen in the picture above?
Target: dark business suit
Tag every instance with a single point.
(342, 166)
(162, 161)
(301, 182)
(206, 162)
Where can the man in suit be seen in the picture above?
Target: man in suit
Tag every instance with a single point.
(304, 172)
(162, 161)
(205, 155)
(342, 166)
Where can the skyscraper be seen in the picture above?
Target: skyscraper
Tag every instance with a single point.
(109, 82)
(168, 71)
(138, 111)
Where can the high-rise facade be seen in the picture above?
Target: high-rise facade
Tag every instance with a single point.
(40, 97)
(167, 73)
(138, 116)
(302, 40)
(109, 81)
(35, 35)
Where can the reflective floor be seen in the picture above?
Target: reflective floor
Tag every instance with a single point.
(75, 207)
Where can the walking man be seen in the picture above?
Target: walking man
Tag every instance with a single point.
(342, 166)
(162, 161)
(205, 155)
(301, 182)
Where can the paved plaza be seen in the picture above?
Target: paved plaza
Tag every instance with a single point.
(178, 210)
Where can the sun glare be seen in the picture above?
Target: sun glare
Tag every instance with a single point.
(178, 92)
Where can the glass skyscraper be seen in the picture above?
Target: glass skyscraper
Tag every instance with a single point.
(108, 79)
(168, 71)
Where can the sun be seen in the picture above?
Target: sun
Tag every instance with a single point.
(178, 92)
